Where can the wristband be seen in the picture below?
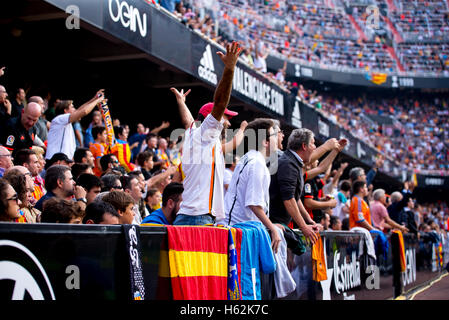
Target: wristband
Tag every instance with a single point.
(82, 199)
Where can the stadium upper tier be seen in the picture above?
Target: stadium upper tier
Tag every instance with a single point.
(391, 36)
(411, 133)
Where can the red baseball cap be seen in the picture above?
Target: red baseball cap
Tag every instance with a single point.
(207, 108)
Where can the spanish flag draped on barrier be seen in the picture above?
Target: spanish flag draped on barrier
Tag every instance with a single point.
(120, 150)
(198, 259)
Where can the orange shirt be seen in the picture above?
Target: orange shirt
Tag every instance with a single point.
(98, 150)
(319, 261)
(358, 212)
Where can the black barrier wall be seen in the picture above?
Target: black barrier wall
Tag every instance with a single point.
(73, 262)
(84, 262)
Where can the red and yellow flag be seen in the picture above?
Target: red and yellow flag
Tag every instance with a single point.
(377, 77)
(121, 151)
(123, 154)
(198, 259)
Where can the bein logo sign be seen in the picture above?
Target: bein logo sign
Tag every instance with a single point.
(128, 16)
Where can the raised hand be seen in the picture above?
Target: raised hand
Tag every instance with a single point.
(180, 95)
(243, 125)
(233, 51)
(331, 144)
(99, 96)
(342, 144)
(165, 124)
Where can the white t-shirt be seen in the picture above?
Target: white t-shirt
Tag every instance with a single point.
(203, 166)
(227, 178)
(61, 137)
(252, 189)
(341, 202)
(261, 64)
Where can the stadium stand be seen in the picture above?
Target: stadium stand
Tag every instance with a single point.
(336, 34)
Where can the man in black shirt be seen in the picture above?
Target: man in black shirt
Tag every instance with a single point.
(407, 217)
(19, 132)
(18, 104)
(399, 200)
(287, 184)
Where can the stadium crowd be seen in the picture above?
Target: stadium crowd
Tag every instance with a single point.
(148, 179)
(320, 33)
(412, 132)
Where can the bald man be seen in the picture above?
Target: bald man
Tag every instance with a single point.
(5, 160)
(19, 133)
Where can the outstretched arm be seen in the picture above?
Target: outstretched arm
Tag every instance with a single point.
(184, 112)
(338, 175)
(87, 108)
(164, 125)
(223, 91)
(321, 150)
(236, 140)
(327, 162)
(161, 176)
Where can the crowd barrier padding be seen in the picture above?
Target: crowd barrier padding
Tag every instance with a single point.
(82, 262)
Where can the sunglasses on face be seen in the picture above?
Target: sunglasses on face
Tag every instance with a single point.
(14, 198)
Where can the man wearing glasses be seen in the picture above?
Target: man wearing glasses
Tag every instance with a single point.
(248, 198)
(111, 182)
(59, 183)
(110, 164)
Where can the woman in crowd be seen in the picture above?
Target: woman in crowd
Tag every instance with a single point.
(9, 203)
(24, 188)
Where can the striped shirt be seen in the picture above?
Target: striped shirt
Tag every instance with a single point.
(203, 166)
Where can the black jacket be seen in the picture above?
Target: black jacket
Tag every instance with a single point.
(394, 209)
(15, 137)
(407, 217)
(286, 183)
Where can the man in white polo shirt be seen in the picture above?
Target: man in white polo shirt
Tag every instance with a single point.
(61, 137)
(248, 195)
(202, 159)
